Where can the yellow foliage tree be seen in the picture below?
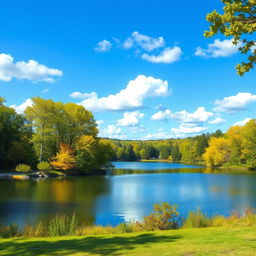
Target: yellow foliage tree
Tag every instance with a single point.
(218, 151)
(235, 136)
(64, 159)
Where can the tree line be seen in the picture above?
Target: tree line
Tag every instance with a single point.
(184, 150)
(236, 147)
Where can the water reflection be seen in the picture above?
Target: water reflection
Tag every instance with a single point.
(127, 194)
(29, 201)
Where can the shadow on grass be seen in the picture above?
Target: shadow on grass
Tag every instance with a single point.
(90, 245)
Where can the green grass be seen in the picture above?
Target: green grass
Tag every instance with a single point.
(183, 242)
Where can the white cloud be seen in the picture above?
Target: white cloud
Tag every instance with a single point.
(157, 136)
(235, 103)
(21, 108)
(147, 43)
(112, 132)
(188, 129)
(132, 97)
(99, 122)
(218, 48)
(30, 70)
(217, 120)
(162, 115)
(200, 115)
(130, 119)
(168, 55)
(80, 95)
(243, 122)
(103, 46)
(128, 43)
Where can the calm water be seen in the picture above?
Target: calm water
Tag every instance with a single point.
(128, 194)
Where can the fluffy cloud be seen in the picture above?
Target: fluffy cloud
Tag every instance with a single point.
(199, 116)
(235, 103)
(218, 48)
(217, 120)
(147, 43)
(21, 108)
(103, 46)
(112, 132)
(243, 122)
(132, 97)
(188, 129)
(162, 115)
(168, 55)
(80, 95)
(30, 70)
(130, 119)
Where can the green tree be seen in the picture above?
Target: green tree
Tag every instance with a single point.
(14, 138)
(176, 156)
(249, 143)
(238, 21)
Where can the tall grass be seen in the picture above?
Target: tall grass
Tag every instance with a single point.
(197, 219)
(163, 217)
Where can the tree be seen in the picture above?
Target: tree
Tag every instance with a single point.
(64, 159)
(188, 150)
(237, 21)
(235, 136)
(120, 154)
(55, 123)
(202, 144)
(14, 138)
(176, 153)
(249, 143)
(165, 151)
(218, 151)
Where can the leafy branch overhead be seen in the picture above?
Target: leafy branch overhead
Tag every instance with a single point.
(237, 21)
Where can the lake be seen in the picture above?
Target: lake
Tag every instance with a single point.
(128, 193)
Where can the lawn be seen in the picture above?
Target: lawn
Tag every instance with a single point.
(186, 242)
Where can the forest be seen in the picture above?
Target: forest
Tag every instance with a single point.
(56, 136)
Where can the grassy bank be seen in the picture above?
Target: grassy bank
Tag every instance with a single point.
(183, 242)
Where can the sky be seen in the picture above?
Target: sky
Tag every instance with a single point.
(143, 67)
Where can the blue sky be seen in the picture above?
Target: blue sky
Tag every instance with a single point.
(142, 67)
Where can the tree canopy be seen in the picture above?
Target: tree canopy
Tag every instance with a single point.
(239, 22)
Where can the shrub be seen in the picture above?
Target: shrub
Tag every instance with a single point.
(196, 219)
(23, 168)
(124, 228)
(44, 166)
(165, 216)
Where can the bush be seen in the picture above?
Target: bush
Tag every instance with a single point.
(44, 166)
(165, 216)
(23, 168)
(196, 219)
